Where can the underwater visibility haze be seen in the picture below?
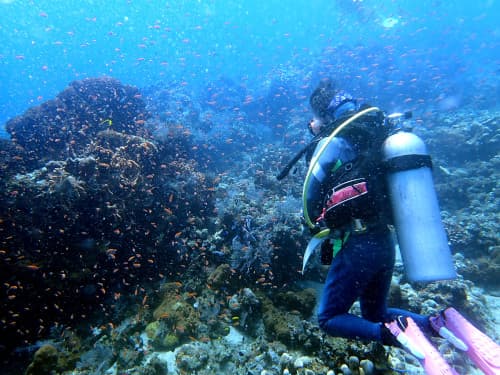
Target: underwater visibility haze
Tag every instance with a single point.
(142, 227)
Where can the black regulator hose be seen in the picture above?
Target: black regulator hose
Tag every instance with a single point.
(292, 162)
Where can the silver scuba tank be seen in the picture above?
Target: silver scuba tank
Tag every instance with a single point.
(420, 232)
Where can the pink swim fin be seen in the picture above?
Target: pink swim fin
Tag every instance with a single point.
(482, 350)
(414, 342)
(433, 363)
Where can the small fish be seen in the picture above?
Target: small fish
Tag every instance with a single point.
(108, 121)
(445, 170)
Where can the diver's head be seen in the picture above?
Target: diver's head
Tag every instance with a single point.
(329, 105)
(321, 98)
(341, 104)
(316, 126)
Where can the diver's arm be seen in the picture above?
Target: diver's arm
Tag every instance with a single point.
(316, 186)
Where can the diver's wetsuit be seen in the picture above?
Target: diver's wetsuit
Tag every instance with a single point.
(362, 269)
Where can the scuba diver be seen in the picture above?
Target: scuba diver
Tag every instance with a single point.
(366, 175)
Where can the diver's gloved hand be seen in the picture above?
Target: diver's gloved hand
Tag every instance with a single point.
(393, 334)
(438, 324)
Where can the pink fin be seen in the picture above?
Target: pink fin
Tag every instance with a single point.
(433, 363)
(483, 351)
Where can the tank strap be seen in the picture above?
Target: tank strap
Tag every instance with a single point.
(406, 162)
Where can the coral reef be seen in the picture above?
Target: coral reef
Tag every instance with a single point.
(261, 230)
(183, 250)
(174, 319)
(65, 126)
(289, 327)
(246, 312)
(171, 104)
(44, 361)
(221, 277)
(192, 358)
(467, 183)
(98, 359)
(303, 301)
(99, 223)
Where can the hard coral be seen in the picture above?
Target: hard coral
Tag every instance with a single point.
(302, 301)
(192, 357)
(220, 277)
(66, 125)
(44, 362)
(175, 319)
(289, 327)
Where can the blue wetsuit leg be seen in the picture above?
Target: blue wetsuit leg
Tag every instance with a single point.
(363, 269)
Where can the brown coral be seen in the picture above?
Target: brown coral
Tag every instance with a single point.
(44, 362)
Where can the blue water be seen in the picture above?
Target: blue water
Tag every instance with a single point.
(403, 53)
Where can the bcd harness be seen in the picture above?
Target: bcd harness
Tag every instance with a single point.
(337, 200)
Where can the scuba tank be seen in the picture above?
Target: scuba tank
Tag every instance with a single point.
(417, 219)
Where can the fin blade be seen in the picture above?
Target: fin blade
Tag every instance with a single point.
(483, 351)
(433, 363)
